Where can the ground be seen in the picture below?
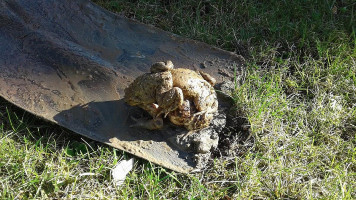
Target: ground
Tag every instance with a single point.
(298, 95)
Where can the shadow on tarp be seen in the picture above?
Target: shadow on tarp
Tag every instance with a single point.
(110, 121)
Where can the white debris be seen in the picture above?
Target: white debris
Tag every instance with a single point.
(87, 174)
(120, 171)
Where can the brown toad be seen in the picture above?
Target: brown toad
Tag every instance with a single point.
(186, 96)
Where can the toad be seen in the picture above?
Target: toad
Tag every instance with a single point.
(187, 97)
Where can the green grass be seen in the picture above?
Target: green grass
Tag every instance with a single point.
(298, 93)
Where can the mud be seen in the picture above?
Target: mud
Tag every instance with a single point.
(202, 142)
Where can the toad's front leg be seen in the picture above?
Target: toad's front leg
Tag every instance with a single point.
(151, 124)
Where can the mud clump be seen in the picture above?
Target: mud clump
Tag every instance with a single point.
(201, 141)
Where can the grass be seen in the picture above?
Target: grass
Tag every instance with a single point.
(298, 93)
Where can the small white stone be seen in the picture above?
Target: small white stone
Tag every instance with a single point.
(121, 170)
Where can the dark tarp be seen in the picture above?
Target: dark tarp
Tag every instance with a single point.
(69, 61)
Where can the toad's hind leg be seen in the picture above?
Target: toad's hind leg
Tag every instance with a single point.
(206, 99)
(211, 80)
(199, 120)
(170, 100)
(152, 124)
